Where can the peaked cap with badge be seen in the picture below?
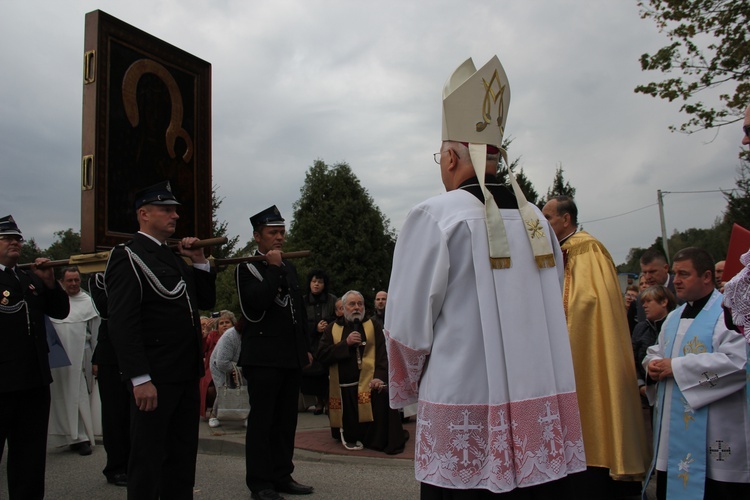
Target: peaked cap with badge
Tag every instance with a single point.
(475, 108)
(9, 227)
(268, 217)
(158, 194)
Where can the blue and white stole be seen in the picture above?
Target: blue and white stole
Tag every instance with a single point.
(686, 463)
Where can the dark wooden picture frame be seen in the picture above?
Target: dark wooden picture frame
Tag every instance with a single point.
(146, 119)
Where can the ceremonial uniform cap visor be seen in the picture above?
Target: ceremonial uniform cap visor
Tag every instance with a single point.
(158, 194)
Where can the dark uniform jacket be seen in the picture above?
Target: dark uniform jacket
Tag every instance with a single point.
(24, 361)
(152, 334)
(104, 353)
(272, 304)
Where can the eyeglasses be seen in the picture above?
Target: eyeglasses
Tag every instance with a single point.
(436, 156)
(11, 237)
(746, 128)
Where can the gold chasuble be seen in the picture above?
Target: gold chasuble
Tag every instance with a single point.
(606, 383)
(366, 374)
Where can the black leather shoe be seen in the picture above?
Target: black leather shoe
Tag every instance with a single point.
(294, 488)
(266, 495)
(118, 479)
(83, 448)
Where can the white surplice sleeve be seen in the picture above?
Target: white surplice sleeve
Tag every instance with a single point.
(416, 293)
(707, 377)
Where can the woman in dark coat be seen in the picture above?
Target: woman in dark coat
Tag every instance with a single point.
(321, 309)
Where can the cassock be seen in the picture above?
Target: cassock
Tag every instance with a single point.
(71, 417)
(485, 352)
(363, 414)
(613, 430)
(715, 378)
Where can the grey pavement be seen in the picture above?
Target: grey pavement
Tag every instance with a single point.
(220, 471)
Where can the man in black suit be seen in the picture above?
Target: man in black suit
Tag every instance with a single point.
(275, 348)
(113, 392)
(24, 365)
(153, 299)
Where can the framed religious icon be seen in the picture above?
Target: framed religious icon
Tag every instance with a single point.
(146, 119)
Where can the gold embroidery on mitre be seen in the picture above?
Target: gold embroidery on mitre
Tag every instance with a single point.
(535, 228)
(695, 346)
(490, 97)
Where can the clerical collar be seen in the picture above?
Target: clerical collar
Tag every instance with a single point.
(693, 308)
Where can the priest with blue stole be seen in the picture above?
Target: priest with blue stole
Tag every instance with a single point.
(701, 422)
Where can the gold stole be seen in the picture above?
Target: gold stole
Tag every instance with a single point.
(366, 374)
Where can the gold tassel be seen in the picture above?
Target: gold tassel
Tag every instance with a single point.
(544, 261)
(500, 262)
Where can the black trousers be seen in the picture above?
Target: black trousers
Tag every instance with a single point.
(713, 490)
(24, 417)
(115, 398)
(596, 484)
(269, 443)
(164, 444)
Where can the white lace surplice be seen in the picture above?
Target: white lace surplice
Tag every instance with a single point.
(486, 353)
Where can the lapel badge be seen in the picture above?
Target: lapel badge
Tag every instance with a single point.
(6, 293)
(4, 301)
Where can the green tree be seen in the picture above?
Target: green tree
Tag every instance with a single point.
(30, 251)
(710, 47)
(738, 200)
(226, 289)
(527, 187)
(349, 237)
(67, 243)
(220, 228)
(559, 187)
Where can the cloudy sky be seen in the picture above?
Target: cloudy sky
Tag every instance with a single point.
(360, 82)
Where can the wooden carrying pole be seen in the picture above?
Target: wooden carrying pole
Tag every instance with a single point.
(257, 258)
(101, 257)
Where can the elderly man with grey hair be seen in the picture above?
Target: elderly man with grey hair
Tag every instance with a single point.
(355, 352)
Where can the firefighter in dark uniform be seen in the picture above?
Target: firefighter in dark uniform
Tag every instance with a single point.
(153, 301)
(275, 348)
(25, 297)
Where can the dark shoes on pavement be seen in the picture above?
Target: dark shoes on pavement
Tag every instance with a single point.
(266, 495)
(118, 479)
(294, 488)
(83, 448)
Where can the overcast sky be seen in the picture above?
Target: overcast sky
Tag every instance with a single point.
(361, 82)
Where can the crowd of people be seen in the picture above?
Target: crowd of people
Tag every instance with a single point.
(534, 374)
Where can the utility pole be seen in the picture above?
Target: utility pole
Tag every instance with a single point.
(660, 201)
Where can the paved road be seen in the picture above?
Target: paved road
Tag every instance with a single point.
(71, 476)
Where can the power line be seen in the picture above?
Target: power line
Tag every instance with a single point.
(707, 191)
(619, 215)
(653, 204)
